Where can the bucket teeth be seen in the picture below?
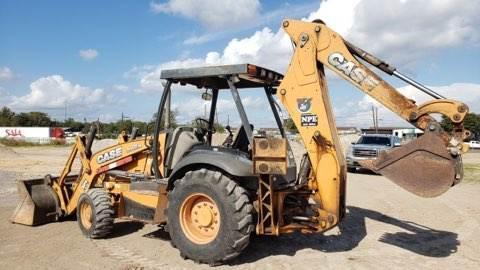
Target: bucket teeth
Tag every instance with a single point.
(423, 167)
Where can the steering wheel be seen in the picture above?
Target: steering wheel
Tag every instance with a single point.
(201, 123)
(202, 126)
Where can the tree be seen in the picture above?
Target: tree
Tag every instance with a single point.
(173, 119)
(471, 122)
(73, 125)
(32, 119)
(7, 117)
(219, 127)
(290, 125)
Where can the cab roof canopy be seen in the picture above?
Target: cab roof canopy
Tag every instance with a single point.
(215, 77)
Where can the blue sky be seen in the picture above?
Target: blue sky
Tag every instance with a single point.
(102, 58)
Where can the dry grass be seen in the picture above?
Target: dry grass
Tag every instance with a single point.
(23, 143)
(471, 172)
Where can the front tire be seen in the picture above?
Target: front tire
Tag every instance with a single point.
(209, 217)
(95, 213)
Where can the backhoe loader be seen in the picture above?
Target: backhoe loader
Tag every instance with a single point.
(212, 198)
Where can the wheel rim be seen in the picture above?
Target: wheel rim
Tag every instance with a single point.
(86, 215)
(200, 218)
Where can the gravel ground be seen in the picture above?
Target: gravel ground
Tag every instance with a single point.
(385, 227)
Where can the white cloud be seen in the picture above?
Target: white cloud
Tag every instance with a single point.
(197, 40)
(360, 113)
(338, 15)
(54, 92)
(120, 88)
(266, 17)
(137, 72)
(402, 32)
(394, 30)
(254, 103)
(6, 74)
(211, 13)
(151, 80)
(193, 106)
(5, 97)
(88, 54)
(265, 48)
(407, 30)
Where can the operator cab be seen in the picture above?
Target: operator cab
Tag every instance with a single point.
(183, 142)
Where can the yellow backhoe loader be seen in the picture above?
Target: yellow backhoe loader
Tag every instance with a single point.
(212, 198)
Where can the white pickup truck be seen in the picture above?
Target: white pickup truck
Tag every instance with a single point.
(474, 144)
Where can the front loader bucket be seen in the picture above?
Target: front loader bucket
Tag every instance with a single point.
(38, 203)
(423, 166)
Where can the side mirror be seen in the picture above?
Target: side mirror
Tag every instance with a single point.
(207, 96)
(353, 143)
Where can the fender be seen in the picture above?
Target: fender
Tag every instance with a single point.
(227, 160)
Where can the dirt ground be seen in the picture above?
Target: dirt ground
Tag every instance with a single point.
(385, 227)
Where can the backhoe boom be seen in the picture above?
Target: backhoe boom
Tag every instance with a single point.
(427, 166)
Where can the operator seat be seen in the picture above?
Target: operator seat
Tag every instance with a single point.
(241, 140)
(180, 141)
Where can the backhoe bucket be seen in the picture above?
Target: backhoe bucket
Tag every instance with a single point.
(38, 203)
(423, 167)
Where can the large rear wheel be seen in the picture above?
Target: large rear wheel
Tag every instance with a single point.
(209, 217)
(95, 213)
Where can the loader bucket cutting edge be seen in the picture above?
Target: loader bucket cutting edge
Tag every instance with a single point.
(423, 167)
(38, 203)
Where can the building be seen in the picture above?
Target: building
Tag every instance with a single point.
(347, 130)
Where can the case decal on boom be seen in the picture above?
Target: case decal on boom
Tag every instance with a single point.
(113, 154)
(349, 68)
(309, 120)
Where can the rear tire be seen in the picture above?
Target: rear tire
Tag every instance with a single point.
(192, 217)
(95, 213)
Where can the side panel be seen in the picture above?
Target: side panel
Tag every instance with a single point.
(112, 157)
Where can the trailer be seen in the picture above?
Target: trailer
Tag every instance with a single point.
(32, 134)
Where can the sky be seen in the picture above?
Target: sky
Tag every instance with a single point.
(98, 59)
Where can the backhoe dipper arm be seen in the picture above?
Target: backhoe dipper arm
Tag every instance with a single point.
(338, 55)
(304, 83)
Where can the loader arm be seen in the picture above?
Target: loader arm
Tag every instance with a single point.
(426, 167)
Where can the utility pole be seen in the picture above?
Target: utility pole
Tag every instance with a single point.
(65, 116)
(124, 117)
(375, 118)
(98, 126)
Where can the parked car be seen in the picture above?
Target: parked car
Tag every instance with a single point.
(474, 144)
(369, 146)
